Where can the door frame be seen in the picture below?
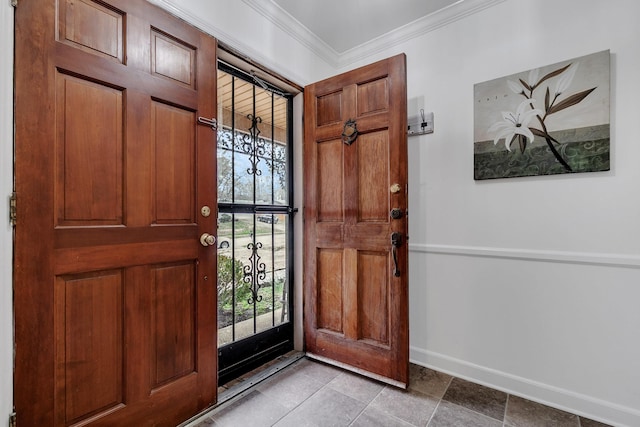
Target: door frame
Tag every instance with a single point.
(7, 153)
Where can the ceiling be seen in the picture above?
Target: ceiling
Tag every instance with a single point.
(345, 24)
(343, 32)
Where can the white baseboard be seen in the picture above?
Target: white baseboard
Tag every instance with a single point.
(566, 400)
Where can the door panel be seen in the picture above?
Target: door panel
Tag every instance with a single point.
(373, 302)
(90, 353)
(115, 297)
(172, 136)
(172, 322)
(356, 302)
(330, 301)
(373, 177)
(89, 176)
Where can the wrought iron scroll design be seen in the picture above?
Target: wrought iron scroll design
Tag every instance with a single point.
(274, 153)
(253, 145)
(254, 273)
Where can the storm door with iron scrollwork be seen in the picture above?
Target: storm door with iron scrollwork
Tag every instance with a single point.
(254, 221)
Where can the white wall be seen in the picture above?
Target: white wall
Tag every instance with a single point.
(530, 285)
(6, 187)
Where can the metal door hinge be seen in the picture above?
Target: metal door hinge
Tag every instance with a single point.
(12, 420)
(13, 216)
(14, 3)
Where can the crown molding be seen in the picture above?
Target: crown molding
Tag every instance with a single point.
(293, 28)
(419, 27)
(458, 10)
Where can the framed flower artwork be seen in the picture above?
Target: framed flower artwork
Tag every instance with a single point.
(548, 120)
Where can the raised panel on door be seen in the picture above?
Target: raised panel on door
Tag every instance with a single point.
(115, 298)
(90, 339)
(330, 301)
(373, 177)
(330, 181)
(373, 297)
(89, 152)
(93, 27)
(173, 138)
(173, 321)
(172, 58)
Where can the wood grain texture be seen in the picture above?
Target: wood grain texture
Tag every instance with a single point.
(89, 178)
(355, 308)
(173, 136)
(173, 322)
(115, 301)
(90, 357)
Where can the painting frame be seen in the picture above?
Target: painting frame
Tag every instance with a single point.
(553, 119)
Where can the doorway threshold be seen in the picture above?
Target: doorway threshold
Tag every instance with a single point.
(237, 389)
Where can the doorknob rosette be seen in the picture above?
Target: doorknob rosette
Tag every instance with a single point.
(207, 239)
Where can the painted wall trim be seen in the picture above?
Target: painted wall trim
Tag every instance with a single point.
(419, 27)
(291, 26)
(539, 392)
(565, 257)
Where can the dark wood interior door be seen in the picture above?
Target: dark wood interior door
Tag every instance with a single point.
(115, 297)
(355, 282)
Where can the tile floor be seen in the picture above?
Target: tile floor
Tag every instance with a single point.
(309, 393)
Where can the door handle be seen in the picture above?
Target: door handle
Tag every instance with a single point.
(207, 239)
(396, 241)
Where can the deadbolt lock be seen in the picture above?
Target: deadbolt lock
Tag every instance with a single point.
(205, 211)
(396, 213)
(395, 188)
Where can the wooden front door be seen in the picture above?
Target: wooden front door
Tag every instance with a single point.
(115, 297)
(355, 282)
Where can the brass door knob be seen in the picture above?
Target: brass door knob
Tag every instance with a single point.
(207, 239)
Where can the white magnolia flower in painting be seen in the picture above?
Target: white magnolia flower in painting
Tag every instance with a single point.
(566, 78)
(533, 77)
(520, 87)
(515, 87)
(517, 123)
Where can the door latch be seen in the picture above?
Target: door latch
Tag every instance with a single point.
(13, 210)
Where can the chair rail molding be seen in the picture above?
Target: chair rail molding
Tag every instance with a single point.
(565, 257)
